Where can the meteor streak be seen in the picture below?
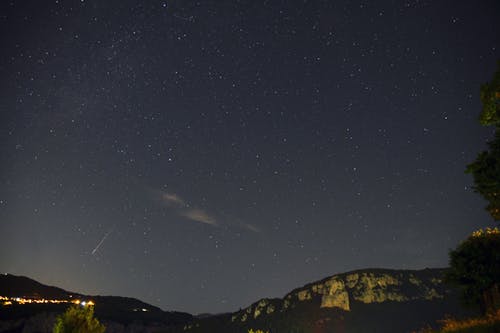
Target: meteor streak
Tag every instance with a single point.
(102, 241)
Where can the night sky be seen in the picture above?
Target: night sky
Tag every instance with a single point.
(202, 155)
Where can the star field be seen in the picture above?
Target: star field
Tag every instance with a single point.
(200, 155)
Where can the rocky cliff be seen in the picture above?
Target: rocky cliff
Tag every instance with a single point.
(369, 300)
(365, 286)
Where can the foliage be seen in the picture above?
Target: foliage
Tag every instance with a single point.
(475, 267)
(481, 324)
(257, 331)
(486, 324)
(486, 172)
(490, 97)
(78, 319)
(486, 168)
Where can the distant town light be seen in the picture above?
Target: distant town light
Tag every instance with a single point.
(22, 300)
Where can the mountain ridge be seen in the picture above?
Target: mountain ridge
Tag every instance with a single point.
(33, 306)
(355, 301)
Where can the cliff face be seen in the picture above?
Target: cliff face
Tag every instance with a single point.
(364, 286)
(369, 300)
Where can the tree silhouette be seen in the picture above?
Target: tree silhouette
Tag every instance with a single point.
(486, 168)
(475, 267)
(486, 172)
(490, 97)
(475, 263)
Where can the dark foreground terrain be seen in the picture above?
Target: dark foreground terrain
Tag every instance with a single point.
(370, 300)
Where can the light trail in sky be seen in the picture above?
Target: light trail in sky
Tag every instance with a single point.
(102, 241)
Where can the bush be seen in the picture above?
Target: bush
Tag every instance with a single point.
(78, 319)
(490, 323)
(475, 268)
